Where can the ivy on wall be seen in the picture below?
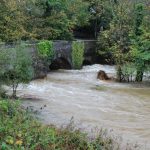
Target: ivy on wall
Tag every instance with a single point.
(46, 49)
(77, 54)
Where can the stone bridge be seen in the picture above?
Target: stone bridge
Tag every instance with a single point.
(63, 53)
(62, 58)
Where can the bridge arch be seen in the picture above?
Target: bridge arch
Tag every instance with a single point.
(60, 63)
(86, 62)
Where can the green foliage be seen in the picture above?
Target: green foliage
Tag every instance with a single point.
(75, 10)
(46, 49)
(12, 20)
(41, 19)
(100, 15)
(16, 66)
(141, 41)
(28, 133)
(115, 40)
(58, 19)
(127, 40)
(46, 52)
(139, 14)
(128, 72)
(104, 45)
(77, 54)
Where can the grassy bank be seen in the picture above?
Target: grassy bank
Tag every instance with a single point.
(20, 131)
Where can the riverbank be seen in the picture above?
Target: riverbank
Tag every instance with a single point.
(20, 130)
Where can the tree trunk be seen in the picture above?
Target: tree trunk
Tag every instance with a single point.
(119, 74)
(14, 95)
(96, 28)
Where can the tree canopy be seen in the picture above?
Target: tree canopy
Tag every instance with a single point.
(41, 19)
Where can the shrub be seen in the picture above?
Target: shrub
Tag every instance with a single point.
(77, 54)
(128, 72)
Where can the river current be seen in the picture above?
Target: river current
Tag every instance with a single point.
(63, 94)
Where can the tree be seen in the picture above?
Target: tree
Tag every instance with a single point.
(16, 66)
(100, 15)
(127, 39)
(141, 40)
(73, 14)
(12, 20)
(115, 40)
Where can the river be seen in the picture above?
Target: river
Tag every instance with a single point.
(122, 107)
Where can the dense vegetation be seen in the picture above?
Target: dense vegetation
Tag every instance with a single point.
(29, 134)
(41, 19)
(127, 39)
(122, 28)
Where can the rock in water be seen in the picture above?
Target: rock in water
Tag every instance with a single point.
(102, 75)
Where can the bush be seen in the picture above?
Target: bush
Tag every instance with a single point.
(46, 49)
(20, 131)
(16, 66)
(128, 72)
(77, 54)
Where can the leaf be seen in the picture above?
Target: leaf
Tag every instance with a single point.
(4, 146)
(19, 142)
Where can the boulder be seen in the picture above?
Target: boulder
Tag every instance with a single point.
(102, 75)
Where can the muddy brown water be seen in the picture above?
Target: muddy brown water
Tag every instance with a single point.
(124, 108)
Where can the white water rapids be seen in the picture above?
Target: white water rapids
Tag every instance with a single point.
(125, 108)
